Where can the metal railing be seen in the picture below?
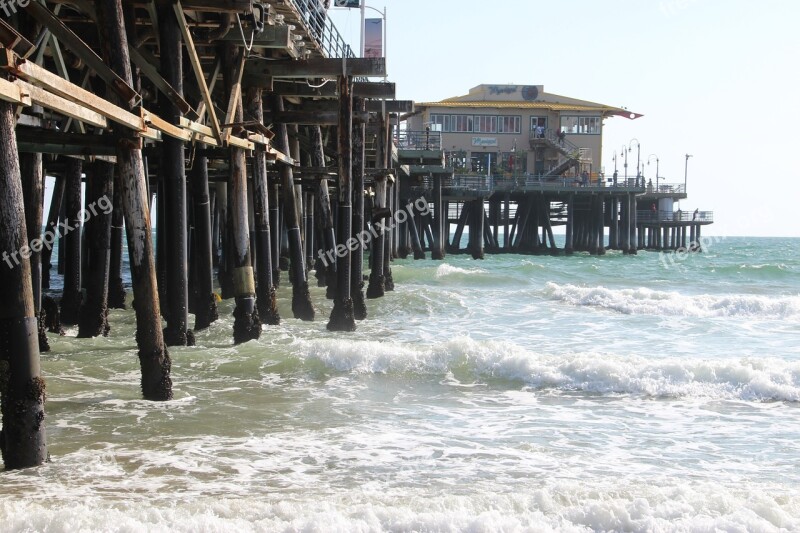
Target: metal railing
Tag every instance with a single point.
(419, 140)
(569, 148)
(675, 216)
(320, 28)
(665, 188)
(527, 182)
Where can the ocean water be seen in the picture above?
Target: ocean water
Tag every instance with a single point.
(518, 393)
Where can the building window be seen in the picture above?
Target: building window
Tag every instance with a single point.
(581, 125)
(461, 123)
(440, 122)
(485, 124)
(456, 159)
(508, 124)
(537, 122)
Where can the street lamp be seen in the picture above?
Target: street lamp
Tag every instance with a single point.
(615, 168)
(625, 153)
(686, 172)
(638, 154)
(651, 156)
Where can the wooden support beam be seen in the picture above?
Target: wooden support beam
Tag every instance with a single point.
(14, 93)
(60, 105)
(60, 30)
(197, 68)
(57, 142)
(314, 118)
(45, 79)
(317, 67)
(363, 89)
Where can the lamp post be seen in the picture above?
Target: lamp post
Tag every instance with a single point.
(649, 158)
(625, 153)
(686, 172)
(615, 168)
(638, 154)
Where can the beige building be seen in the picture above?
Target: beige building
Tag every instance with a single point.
(517, 130)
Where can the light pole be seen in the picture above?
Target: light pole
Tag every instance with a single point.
(686, 171)
(638, 154)
(615, 168)
(625, 153)
(651, 156)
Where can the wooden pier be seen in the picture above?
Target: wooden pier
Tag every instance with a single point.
(268, 153)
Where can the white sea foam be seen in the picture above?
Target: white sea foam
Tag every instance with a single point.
(446, 269)
(565, 506)
(645, 301)
(762, 379)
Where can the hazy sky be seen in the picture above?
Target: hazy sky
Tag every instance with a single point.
(715, 79)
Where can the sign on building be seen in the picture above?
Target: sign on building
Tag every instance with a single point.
(484, 141)
(347, 3)
(373, 38)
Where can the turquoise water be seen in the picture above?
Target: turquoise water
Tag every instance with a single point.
(646, 393)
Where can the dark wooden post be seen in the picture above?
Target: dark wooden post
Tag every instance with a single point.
(265, 288)
(246, 325)
(377, 287)
(32, 173)
(301, 299)
(116, 290)
(342, 318)
(99, 193)
(22, 390)
(601, 240)
(205, 301)
(326, 259)
(569, 246)
(632, 242)
(357, 275)
(439, 217)
(389, 238)
(173, 175)
(476, 229)
(153, 355)
(71, 296)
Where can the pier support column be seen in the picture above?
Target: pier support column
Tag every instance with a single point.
(342, 318)
(32, 173)
(439, 217)
(357, 165)
(116, 289)
(326, 257)
(246, 325)
(377, 287)
(476, 229)
(205, 301)
(71, 295)
(22, 389)
(569, 246)
(153, 355)
(172, 174)
(302, 307)
(390, 235)
(601, 238)
(265, 287)
(633, 225)
(99, 193)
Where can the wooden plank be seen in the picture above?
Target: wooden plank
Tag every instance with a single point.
(81, 49)
(57, 142)
(197, 68)
(195, 127)
(390, 106)
(62, 105)
(316, 68)
(151, 119)
(12, 92)
(302, 89)
(149, 70)
(318, 118)
(40, 77)
(240, 143)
